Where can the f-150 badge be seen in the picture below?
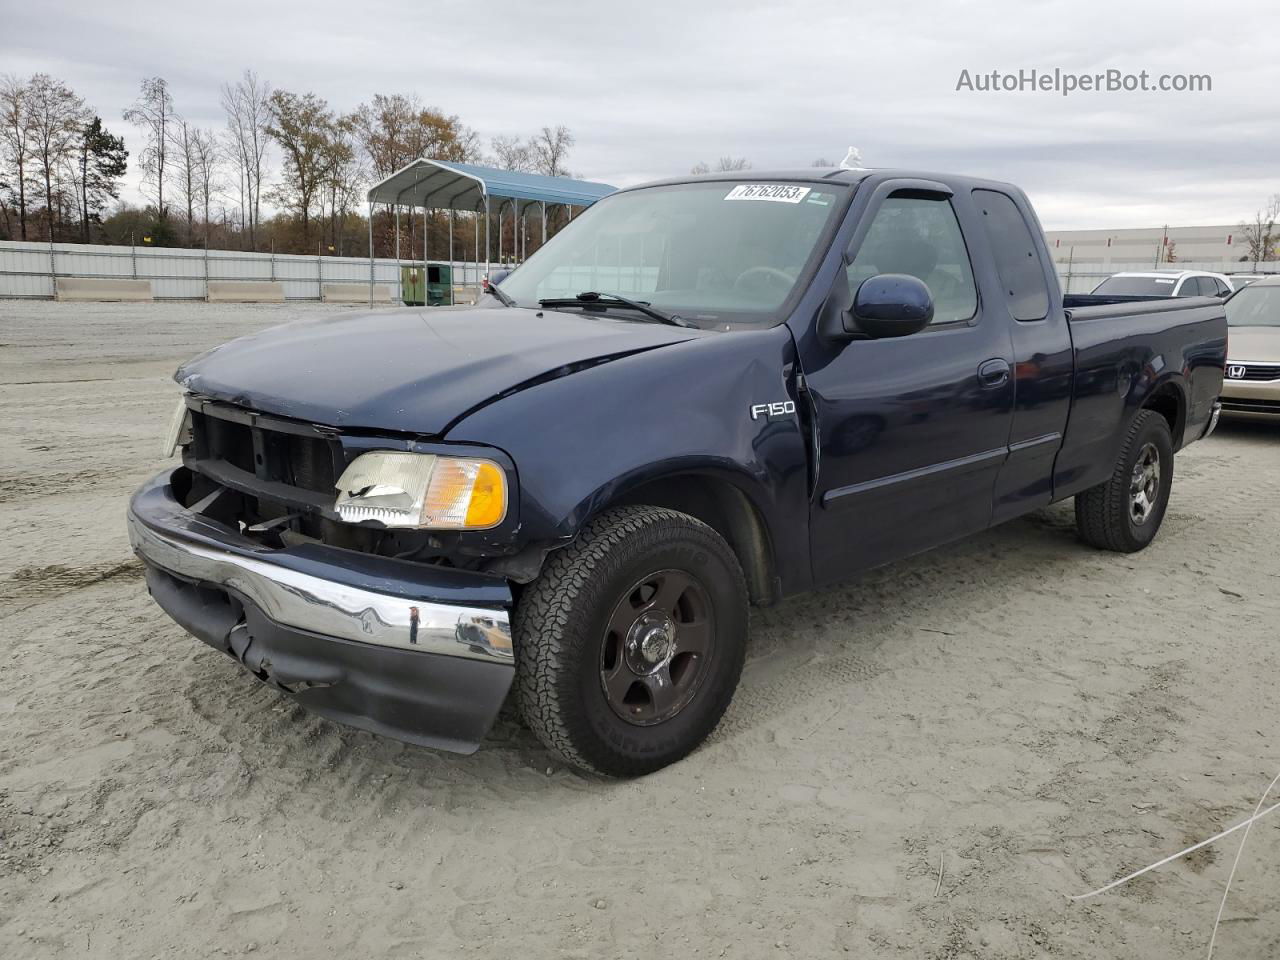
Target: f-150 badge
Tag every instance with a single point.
(779, 410)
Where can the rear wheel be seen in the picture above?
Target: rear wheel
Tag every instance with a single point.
(630, 644)
(1125, 512)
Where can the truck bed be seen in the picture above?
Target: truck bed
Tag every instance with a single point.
(1121, 347)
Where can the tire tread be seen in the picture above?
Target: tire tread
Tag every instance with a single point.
(1102, 512)
(549, 628)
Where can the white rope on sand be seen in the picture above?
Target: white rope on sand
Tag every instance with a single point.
(1182, 853)
(1243, 840)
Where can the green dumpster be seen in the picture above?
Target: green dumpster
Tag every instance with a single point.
(412, 288)
(439, 284)
(435, 289)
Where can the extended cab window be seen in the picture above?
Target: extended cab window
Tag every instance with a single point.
(1014, 249)
(920, 236)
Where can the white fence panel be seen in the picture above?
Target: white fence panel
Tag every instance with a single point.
(27, 269)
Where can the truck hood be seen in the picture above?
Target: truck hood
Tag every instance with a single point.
(412, 371)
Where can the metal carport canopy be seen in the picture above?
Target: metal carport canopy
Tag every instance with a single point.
(467, 188)
(444, 185)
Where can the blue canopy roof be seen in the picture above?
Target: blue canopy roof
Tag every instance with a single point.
(444, 185)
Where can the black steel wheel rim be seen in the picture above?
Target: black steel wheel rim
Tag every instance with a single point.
(657, 648)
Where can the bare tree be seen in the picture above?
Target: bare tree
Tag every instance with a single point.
(550, 151)
(6, 208)
(58, 117)
(153, 112)
(204, 148)
(247, 103)
(511, 153)
(1261, 234)
(15, 137)
(344, 176)
(823, 162)
(723, 165)
(231, 148)
(185, 166)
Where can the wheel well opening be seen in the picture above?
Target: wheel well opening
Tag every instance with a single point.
(727, 511)
(1167, 401)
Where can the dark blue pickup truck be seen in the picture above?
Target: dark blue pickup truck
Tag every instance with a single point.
(702, 394)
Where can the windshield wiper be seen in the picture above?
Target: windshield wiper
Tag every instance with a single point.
(591, 296)
(502, 298)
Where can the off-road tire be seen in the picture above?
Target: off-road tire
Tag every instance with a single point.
(1103, 513)
(560, 631)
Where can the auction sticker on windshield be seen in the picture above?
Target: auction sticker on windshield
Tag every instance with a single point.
(776, 192)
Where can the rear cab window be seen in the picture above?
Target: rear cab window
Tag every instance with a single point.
(1014, 248)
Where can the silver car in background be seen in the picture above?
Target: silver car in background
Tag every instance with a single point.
(1251, 387)
(1241, 280)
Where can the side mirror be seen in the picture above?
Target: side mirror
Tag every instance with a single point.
(495, 278)
(890, 305)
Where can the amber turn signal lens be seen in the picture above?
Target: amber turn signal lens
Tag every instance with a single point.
(488, 497)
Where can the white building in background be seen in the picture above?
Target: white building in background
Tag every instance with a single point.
(1085, 257)
(1150, 244)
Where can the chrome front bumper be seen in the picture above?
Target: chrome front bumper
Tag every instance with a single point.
(419, 653)
(307, 590)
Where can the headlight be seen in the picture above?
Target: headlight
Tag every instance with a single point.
(179, 431)
(422, 490)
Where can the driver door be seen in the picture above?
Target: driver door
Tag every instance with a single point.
(912, 430)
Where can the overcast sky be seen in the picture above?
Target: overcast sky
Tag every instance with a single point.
(651, 88)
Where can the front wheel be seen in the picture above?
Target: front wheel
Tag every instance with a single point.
(1125, 512)
(630, 643)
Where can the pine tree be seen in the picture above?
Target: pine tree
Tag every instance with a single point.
(101, 161)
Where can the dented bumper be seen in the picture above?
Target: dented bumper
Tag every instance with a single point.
(413, 652)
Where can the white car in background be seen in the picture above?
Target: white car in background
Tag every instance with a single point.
(1165, 283)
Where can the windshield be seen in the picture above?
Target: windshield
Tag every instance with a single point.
(1137, 286)
(1257, 305)
(712, 252)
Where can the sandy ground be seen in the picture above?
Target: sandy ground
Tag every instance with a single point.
(1033, 716)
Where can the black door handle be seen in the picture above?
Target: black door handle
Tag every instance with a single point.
(993, 373)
